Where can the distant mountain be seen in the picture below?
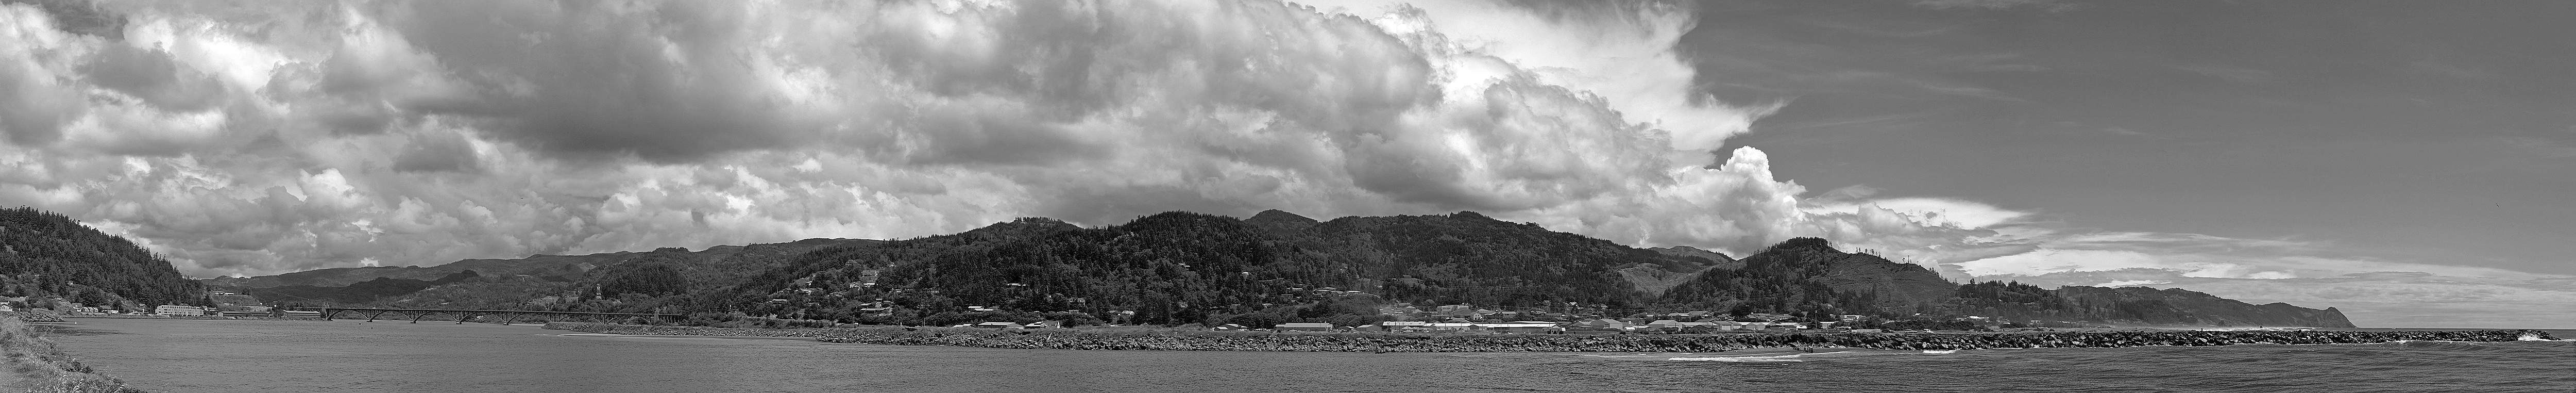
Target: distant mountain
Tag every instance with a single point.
(2175, 306)
(1808, 275)
(1181, 267)
(355, 293)
(561, 266)
(46, 254)
(543, 274)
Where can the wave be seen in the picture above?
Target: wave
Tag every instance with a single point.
(1941, 351)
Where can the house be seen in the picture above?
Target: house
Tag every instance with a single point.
(1396, 325)
(1305, 327)
(1664, 324)
(175, 310)
(997, 325)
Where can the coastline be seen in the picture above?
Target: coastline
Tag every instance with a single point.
(40, 366)
(1382, 342)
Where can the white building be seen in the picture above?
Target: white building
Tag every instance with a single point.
(180, 310)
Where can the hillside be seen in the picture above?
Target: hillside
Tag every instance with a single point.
(558, 266)
(45, 254)
(1808, 276)
(502, 282)
(1180, 267)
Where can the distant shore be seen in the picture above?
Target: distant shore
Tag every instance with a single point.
(1384, 342)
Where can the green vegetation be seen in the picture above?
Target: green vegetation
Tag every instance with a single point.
(360, 292)
(44, 255)
(37, 366)
(1182, 268)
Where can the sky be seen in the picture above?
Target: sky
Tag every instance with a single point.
(2404, 162)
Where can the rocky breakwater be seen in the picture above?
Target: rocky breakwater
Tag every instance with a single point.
(1370, 342)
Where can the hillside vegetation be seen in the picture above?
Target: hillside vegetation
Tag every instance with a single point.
(1181, 268)
(45, 255)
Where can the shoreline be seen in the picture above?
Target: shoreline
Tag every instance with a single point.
(40, 366)
(1683, 343)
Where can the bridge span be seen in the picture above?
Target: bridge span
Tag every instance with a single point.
(463, 316)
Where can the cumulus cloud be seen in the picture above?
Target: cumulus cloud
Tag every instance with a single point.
(266, 137)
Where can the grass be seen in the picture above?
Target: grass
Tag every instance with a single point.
(37, 366)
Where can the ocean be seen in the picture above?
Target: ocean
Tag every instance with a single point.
(345, 356)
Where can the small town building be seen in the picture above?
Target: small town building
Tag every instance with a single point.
(1305, 327)
(174, 310)
(998, 325)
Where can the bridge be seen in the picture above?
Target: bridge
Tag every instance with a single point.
(462, 316)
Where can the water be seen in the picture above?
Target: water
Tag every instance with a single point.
(308, 356)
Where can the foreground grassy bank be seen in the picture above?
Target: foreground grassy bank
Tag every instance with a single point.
(1370, 342)
(36, 365)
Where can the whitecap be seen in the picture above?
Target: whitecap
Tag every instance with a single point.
(1941, 351)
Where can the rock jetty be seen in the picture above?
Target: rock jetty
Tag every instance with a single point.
(1382, 342)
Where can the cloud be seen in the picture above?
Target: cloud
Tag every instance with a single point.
(267, 137)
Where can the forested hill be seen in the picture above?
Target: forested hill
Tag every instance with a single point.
(556, 267)
(1182, 267)
(43, 254)
(1808, 276)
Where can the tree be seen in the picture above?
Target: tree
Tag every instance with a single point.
(648, 278)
